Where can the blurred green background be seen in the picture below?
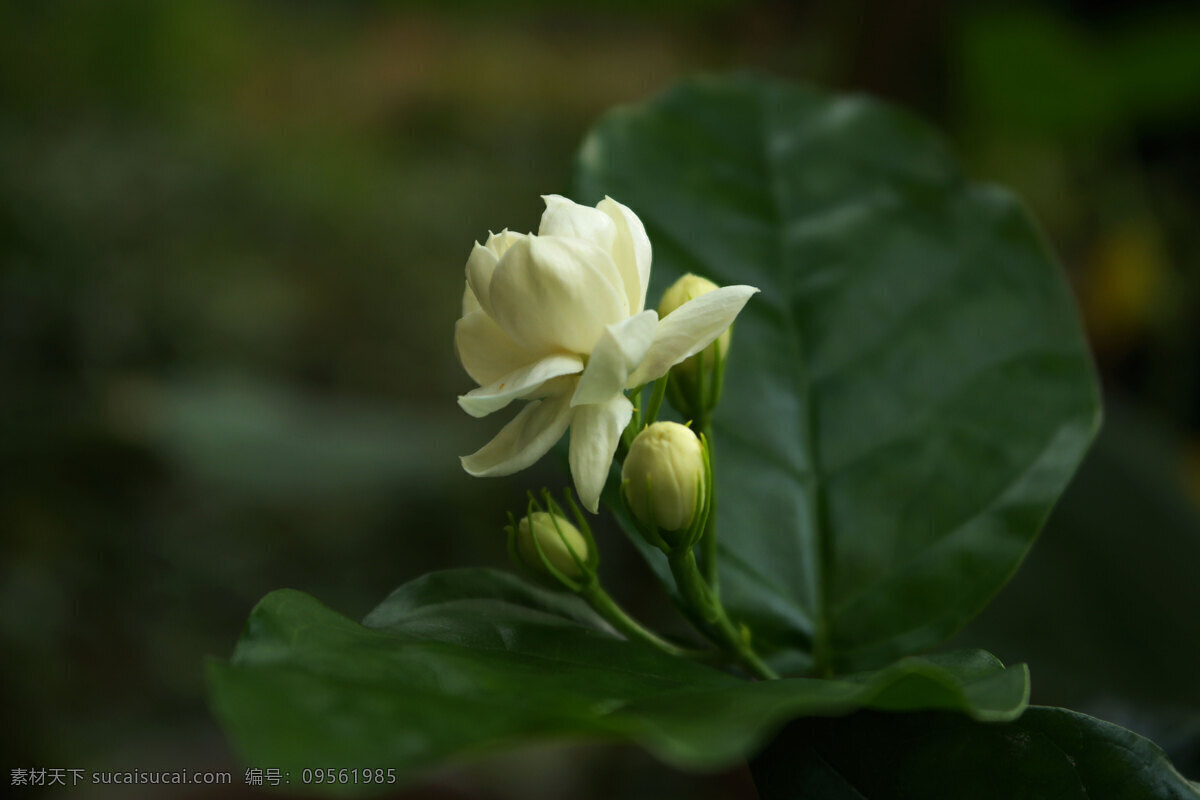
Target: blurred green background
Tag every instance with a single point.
(231, 248)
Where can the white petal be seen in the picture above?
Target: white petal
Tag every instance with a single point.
(524, 440)
(563, 217)
(631, 251)
(621, 348)
(551, 293)
(485, 350)
(595, 431)
(689, 329)
(470, 301)
(499, 243)
(481, 264)
(523, 382)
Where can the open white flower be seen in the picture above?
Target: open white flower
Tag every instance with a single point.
(558, 318)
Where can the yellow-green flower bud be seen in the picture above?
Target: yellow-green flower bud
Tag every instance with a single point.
(689, 287)
(695, 384)
(663, 476)
(542, 525)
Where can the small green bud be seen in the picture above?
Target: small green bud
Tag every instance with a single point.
(542, 524)
(695, 385)
(664, 476)
(687, 288)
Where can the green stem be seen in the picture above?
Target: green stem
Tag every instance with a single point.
(656, 398)
(616, 616)
(697, 595)
(635, 425)
(708, 541)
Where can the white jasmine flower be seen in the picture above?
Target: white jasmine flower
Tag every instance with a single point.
(559, 319)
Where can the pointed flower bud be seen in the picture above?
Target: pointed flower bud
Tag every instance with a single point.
(554, 536)
(695, 384)
(688, 288)
(665, 478)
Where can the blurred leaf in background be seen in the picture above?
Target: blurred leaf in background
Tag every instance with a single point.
(1093, 116)
(231, 249)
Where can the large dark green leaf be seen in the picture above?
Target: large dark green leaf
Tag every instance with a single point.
(1049, 753)
(909, 394)
(462, 661)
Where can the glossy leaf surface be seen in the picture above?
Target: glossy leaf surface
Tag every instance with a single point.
(910, 393)
(463, 661)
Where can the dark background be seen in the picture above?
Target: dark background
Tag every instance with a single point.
(232, 239)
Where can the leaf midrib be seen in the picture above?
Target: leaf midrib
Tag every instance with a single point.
(822, 655)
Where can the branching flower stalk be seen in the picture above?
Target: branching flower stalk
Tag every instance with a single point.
(557, 319)
(698, 595)
(547, 533)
